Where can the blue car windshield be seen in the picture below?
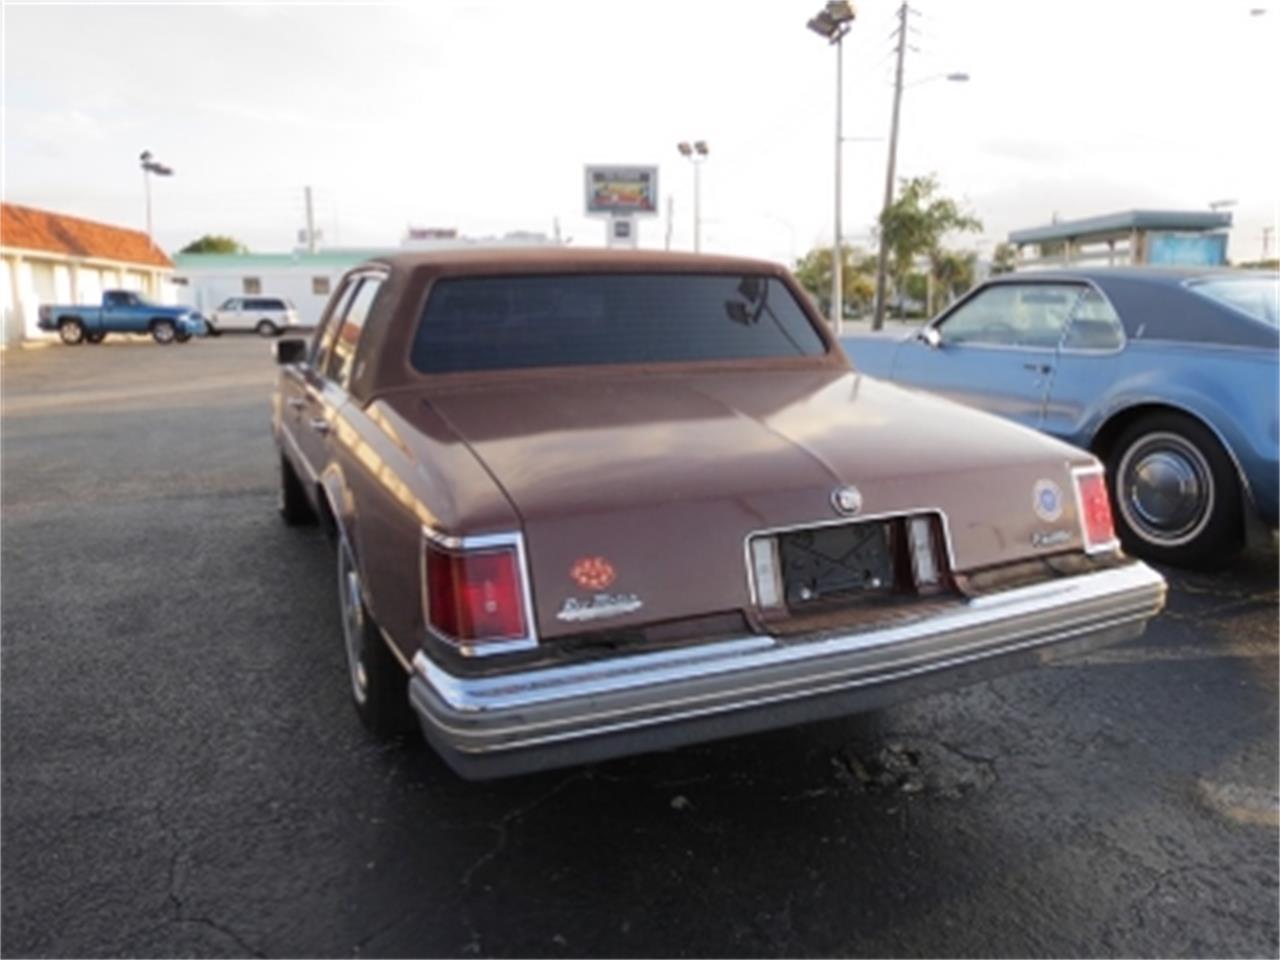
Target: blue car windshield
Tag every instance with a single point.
(1259, 297)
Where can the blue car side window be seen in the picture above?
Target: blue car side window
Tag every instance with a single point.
(1014, 315)
(1094, 324)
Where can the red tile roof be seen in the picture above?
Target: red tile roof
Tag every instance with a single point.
(29, 229)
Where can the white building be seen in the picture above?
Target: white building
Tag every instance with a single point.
(205, 280)
(53, 258)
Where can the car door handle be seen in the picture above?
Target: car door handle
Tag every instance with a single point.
(1040, 368)
(296, 403)
(320, 425)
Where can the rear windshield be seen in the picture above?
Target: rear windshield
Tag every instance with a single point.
(502, 323)
(1256, 296)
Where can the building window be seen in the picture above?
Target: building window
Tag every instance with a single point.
(320, 286)
(252, 285)
(179, 281)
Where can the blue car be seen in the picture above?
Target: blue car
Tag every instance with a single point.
(122, 311)
(1169, 376)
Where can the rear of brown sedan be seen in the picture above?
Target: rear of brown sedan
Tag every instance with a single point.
(593, 504)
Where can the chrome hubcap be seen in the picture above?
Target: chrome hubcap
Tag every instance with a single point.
(1165, 489)
(352, 622)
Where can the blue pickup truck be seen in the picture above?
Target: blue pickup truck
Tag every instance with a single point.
(122, 311)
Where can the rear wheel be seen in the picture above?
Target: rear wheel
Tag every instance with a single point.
(163, 331)
(71, 331)
(1176, 493)
(379, 687)
(266, 328)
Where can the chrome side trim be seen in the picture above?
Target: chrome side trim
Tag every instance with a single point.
(395, 651)
(514, 538)
(1135, 583)
(298, 456)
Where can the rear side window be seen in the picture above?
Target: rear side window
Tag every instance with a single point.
(503, 323)
(1094, 324)
(342, 354)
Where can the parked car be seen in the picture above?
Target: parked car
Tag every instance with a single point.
(1169, 376)
(268, 316)
(122, 311)
(591, 503)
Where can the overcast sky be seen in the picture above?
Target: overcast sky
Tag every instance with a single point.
(481, 114)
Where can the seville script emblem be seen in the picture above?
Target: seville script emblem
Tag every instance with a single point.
(593, 573)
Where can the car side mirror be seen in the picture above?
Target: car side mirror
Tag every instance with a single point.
(290, 350)
(931, 336)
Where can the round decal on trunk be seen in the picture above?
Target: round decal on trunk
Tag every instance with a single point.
(1047, 500)
(593, 573)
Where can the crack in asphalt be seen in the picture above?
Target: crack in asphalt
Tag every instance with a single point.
(501, 825)
(175, 901)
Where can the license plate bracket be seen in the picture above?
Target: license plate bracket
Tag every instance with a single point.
(848, 562)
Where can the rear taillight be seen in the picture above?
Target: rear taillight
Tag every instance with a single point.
(475, 597)
(1095, 510)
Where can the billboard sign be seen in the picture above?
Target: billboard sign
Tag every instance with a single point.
(621, 191)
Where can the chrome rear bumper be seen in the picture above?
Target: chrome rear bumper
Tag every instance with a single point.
(559, 716)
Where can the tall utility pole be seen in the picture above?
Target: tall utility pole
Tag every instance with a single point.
(311, 221)
(882, 264)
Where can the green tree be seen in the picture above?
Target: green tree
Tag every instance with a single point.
(1004, 258)
(858, 280)
(953, 274)
(915, 287)
(914, 225)
(215, 243)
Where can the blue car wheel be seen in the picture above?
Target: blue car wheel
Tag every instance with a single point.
(1175, 491)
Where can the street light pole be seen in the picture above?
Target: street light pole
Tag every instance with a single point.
(149, 166)
(696, 153)
(832, 23)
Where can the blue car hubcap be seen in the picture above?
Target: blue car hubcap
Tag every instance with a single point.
(1165, 489)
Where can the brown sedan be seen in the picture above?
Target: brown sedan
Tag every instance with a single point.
(591, 503)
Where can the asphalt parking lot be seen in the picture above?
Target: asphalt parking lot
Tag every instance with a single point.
(183, 774)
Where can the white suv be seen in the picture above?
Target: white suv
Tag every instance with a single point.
(269, 316)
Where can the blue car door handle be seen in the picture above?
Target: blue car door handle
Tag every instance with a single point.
(1040, 368)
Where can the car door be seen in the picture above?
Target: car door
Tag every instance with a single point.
(297, 380)
(228, 316)
(120, 313)
(996, 350)
(325, 381)
(1091, 360)
(111, 317)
